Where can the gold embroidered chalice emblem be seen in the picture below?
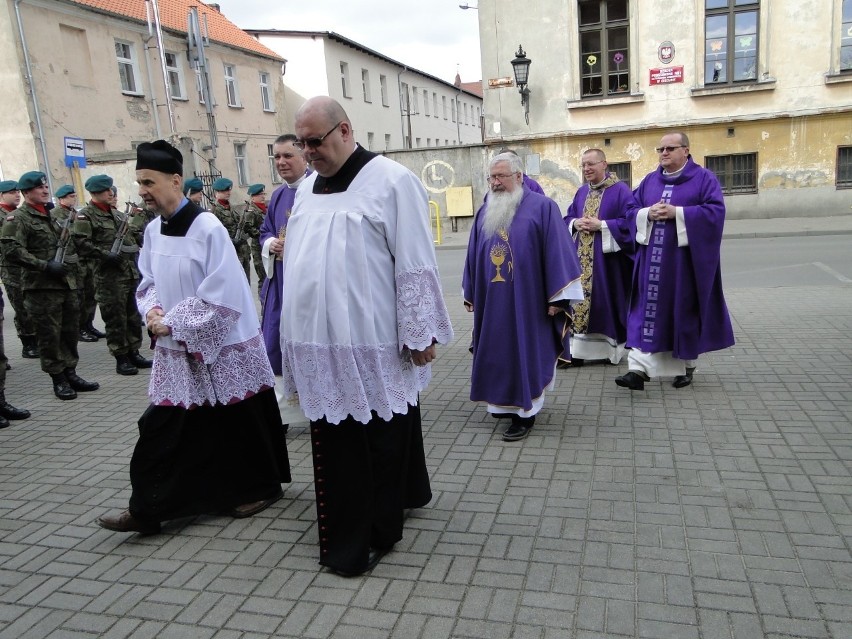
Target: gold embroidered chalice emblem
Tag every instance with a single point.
(498, 256)
(282, 234)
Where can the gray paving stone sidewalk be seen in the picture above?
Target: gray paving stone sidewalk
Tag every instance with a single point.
(722, 510)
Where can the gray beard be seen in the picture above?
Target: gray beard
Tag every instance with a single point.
(500, 209)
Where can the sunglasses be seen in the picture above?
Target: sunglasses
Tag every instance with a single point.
(668, 149)
(313, 143)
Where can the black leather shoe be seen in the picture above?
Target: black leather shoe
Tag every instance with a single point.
(4, 423)
(682, 380)
(30, 349)
(123, 365)
(247, 510)
(78, 383)
(8, 366)
(373, 560)
(61, 388)
(138, 361)
(520, 428)
(93, 331)
(631, 380)
(86, 336)
(7, 411)
(125, 522)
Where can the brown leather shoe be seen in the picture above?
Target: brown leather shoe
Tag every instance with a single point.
(125, 522)
(252, 508)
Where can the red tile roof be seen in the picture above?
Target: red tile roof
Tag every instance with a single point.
(173, 16)
(470, 87)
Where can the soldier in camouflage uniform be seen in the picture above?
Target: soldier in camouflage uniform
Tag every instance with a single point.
(256, 213)
(234, 221)
(193, 189)
(66, 208)
(116, 275)
(10, 198)
(36, 242)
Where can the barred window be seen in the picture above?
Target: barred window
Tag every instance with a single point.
(730, 41)
(737, 173)
(604, 54)
(844, 166)
(622, 171)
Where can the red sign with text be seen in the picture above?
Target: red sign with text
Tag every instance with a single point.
(666, 75)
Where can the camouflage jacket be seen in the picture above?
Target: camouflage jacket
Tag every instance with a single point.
(254, 218)
(32, 239)
(99, 230)
(231, 218)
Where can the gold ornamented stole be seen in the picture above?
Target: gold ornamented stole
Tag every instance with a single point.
(586, 254)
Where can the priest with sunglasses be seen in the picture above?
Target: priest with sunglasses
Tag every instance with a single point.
(677, 309)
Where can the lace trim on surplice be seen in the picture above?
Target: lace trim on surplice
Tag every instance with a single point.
(420, 309)
(337, 381)
(146, 300)
(240, 371)
(202, 327)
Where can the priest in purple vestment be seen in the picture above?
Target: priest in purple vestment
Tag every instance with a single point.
(597, 219)
(521, 271)
(292, 167)
(677, 308)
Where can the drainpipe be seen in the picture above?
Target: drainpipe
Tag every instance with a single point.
(408, 110)
(31, 82)
(162, 51)
(148, 47)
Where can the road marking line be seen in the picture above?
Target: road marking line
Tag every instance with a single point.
(832, 272)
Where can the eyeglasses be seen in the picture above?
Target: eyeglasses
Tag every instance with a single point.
(314, 142)
(499, 177)
(669, 149)
(586, 165)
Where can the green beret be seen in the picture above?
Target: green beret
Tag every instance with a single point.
(254, 189)
(8, 185)
(31, 180)
(192, 185)
(65, 189)
(222, 184)
(98, 183)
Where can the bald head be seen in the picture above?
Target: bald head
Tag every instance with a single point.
(324, 131)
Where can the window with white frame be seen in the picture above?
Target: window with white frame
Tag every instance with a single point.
(242, 163)
(383, 85)
(370, 139)
(174, 75)
(730, 41)
(128, 70)
(425, 103)
(453, 108)
(199, 86)
(387, 141)
(404, 102)
(344, 79)
(273, 172)
(415, 102)
(365, 85)
(444, 105)
(231, 88)
(846, 36)
(265, 91)
(434, 104)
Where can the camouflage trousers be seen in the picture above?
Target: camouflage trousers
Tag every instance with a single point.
(3, 359)
(122, 322)
(258, 263)
(55, 317)
(244, 254)
(23, 322)
(86, 282)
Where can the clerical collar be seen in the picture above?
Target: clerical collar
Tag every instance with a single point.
(295, 185)
(341, 180)
(180, 221)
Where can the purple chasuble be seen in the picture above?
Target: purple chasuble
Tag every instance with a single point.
(509, 279)
(274, 221)
(677, 302)
(532, 185)
(611, 272)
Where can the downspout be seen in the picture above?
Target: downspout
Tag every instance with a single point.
(148, 47)
(401, 116)
(162, 51)
(31, 82)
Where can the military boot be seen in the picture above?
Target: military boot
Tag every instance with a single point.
(78, 383)
(138, 361)
(61, 388)
(30, 349)
(7, 411)
(91, 330)
(86, 336)
(123, 365)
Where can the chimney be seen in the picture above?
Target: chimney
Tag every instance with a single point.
(215, 6)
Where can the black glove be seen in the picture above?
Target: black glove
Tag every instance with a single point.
(55, 269)
(112, 259)
(238, 242)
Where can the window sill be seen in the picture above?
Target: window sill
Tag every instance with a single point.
(180, 98)
(236, 106)
(726, 89)
(269, 110)
(838, 78)
(630, 98)
(133, 94)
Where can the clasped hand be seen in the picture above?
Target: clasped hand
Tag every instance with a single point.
(154, 323)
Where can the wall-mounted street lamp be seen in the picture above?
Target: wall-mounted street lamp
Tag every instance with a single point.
(521, 67)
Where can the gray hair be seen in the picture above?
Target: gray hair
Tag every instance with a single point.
(511, 158)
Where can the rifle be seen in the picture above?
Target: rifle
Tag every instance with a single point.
(238, 234)
(122, 228)
(62, 240)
